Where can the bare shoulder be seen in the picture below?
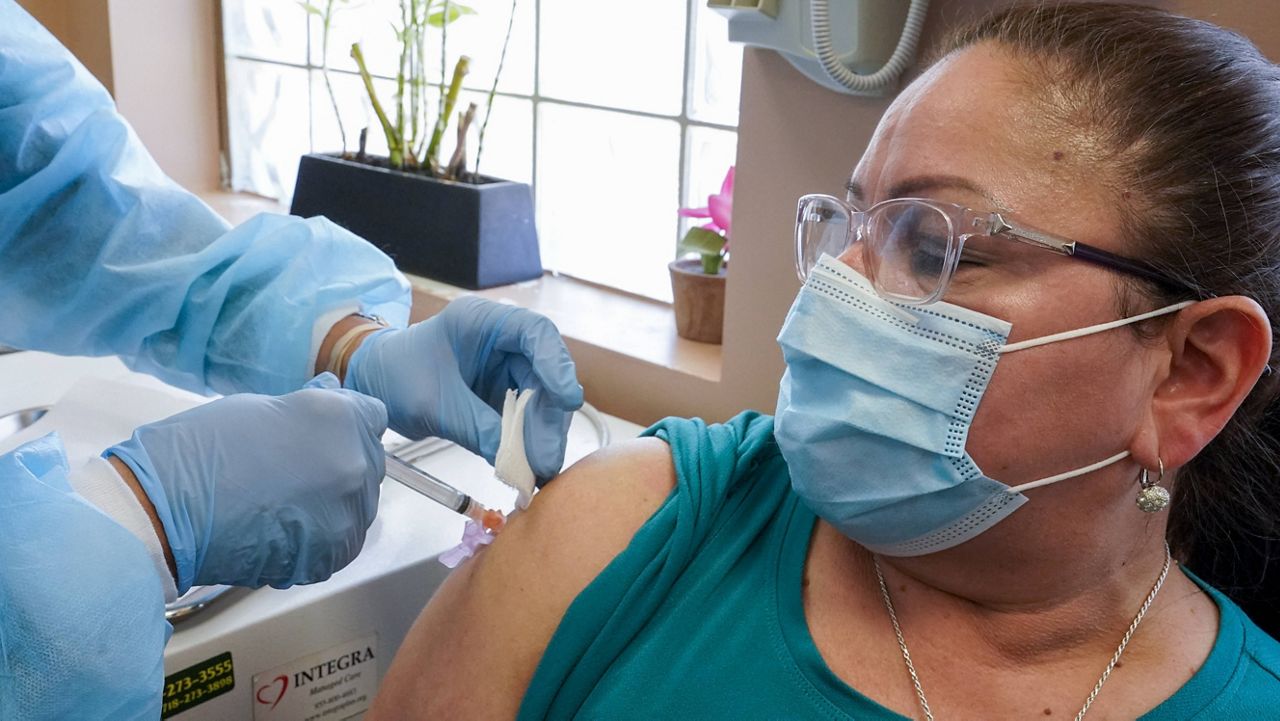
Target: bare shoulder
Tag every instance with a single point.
(476, 645)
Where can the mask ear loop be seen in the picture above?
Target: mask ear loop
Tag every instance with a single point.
(1033, 342)
(1069, 474)
(1152, 498)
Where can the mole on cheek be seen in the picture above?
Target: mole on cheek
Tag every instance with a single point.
(1057, 155)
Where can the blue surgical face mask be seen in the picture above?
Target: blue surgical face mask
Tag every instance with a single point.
(875, 407)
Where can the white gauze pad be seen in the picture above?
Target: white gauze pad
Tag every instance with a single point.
(510, 464)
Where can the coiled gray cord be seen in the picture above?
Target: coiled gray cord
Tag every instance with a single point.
(820, 25)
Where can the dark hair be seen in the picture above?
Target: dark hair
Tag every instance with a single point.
(1187, 115)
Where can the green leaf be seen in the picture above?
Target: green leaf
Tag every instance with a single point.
(701, 240)
(436, 19)
(311, 9)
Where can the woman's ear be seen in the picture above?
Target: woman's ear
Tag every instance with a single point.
(1219, 348)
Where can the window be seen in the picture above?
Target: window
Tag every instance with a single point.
(616, 113)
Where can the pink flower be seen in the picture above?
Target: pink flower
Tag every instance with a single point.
(719, 208)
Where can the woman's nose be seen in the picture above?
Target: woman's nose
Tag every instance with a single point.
(853, 257)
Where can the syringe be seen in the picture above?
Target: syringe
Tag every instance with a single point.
(434, 488)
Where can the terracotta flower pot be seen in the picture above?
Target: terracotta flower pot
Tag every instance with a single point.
(698, 300)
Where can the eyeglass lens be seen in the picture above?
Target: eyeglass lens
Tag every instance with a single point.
(907, 246)
(823, 227)
(907, 243)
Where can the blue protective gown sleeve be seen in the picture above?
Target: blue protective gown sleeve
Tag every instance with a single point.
(82, 627)
(101, 253)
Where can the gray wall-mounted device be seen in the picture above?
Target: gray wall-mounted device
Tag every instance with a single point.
(859, 47)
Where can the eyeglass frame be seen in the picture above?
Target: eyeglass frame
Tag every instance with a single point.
(992, 224)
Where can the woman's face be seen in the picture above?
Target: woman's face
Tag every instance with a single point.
(971, 131)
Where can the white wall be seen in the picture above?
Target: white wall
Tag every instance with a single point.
(159, 59)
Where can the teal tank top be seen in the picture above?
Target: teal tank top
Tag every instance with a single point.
(701, 616)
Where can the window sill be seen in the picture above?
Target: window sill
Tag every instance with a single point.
(236, 208)
(607, 319)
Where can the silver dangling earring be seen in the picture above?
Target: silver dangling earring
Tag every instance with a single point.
(1153, 497)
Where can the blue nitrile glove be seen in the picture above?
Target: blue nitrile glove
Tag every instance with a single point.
(82, 627)
(256, 490)
(448, 376)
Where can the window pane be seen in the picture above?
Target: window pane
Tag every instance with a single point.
(621, 56)
(480, 37)
(266, 29)
(268, 126)
(708, 154)
(368, 22)
(357, 112)
(508, 141)
(717, 68)
(607, 196)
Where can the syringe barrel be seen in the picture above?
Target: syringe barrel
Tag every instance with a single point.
(427, 484)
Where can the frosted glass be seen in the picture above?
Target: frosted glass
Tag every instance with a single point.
(508, 141)
(708, 154)
(266, 29)
(607, 196)
(357, 112)
(717, 69)
(268, 126)
(620, 55)
(478, 36)
(368, 22)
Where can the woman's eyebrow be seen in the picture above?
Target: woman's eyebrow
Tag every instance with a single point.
(854, 188)
(915, 185)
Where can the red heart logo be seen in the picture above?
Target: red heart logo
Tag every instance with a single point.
(284, 686)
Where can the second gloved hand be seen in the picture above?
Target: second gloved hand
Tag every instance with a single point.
(448, 376)
(255, 490)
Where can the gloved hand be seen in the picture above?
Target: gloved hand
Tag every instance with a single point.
(256, 490)
(448, 375)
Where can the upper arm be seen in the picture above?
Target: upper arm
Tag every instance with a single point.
(476, 645)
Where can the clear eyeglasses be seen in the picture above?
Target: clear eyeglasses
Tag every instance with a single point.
(912, 246)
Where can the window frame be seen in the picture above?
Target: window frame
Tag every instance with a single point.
(684, 120)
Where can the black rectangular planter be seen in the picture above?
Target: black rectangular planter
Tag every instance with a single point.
(473, 236)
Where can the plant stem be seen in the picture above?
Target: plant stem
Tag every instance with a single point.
(711, 263)
(488, 106)
(442, 121)
(444, 68)
(457, 168)
(420, 81)
(324, 70)
(394, 141)
(415, 72)
(404, 58)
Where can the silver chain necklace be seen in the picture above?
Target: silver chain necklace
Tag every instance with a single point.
(915, 680)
